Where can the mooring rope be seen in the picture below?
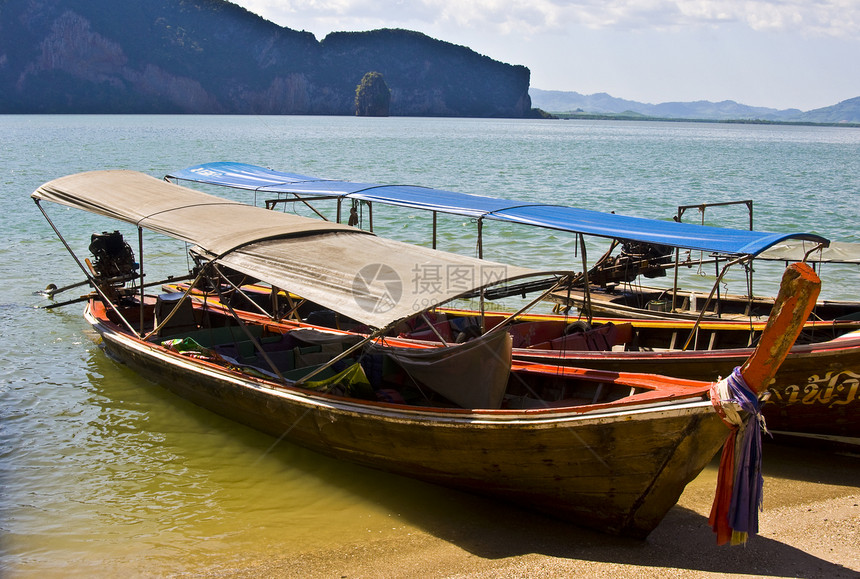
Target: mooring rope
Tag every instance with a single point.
(738, 500)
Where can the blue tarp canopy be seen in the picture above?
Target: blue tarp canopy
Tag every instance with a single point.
(559, 217)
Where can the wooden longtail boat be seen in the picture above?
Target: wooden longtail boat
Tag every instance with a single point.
(610, 286)
(816, 393)
(608, 450)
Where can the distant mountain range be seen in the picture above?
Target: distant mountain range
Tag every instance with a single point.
(555, 101)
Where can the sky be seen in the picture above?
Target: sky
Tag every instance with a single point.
(802, 54)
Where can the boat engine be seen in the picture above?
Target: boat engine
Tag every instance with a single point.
(635, 259)
(113, 262)
(650, 256)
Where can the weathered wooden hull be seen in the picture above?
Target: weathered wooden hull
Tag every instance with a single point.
(816, 390)
(616, 469)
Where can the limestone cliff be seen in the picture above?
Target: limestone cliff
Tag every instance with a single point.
(211, 56)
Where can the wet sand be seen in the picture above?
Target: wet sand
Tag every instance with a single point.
(810, 527)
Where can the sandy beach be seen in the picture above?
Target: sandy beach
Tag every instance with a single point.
(810, 527)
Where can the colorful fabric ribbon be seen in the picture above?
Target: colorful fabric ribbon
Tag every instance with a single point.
(738, 499)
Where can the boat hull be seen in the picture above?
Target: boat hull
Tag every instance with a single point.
(816, 390)
(618, 470)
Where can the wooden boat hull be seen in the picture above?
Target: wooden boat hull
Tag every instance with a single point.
(816, 390)
(616, 469)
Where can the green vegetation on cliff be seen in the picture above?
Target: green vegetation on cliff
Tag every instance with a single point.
(372, 96)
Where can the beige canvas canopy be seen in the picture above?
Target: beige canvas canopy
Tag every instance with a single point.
(370, 279)
(836, 252)
(214, 223)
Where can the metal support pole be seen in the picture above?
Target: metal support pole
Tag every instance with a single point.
(140, 265)
(480, 238)
(244, 327)
(675, 284)
(717, 308)
(586, 295)
(377, 334)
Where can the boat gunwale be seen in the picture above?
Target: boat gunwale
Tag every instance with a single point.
(694, 402)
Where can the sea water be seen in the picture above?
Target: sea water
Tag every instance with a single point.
(105, 473)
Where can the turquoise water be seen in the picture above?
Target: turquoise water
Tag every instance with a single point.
(104, 472)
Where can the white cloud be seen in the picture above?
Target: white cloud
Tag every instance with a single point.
(835, 18)
(779, 53)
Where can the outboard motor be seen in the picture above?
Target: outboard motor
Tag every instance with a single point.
(635, 259)
(648, 257)
(113, 261)
(112, 256)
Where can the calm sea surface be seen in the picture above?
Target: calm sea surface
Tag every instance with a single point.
(103, 472)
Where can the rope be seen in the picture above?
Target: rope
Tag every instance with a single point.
(738, 500)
